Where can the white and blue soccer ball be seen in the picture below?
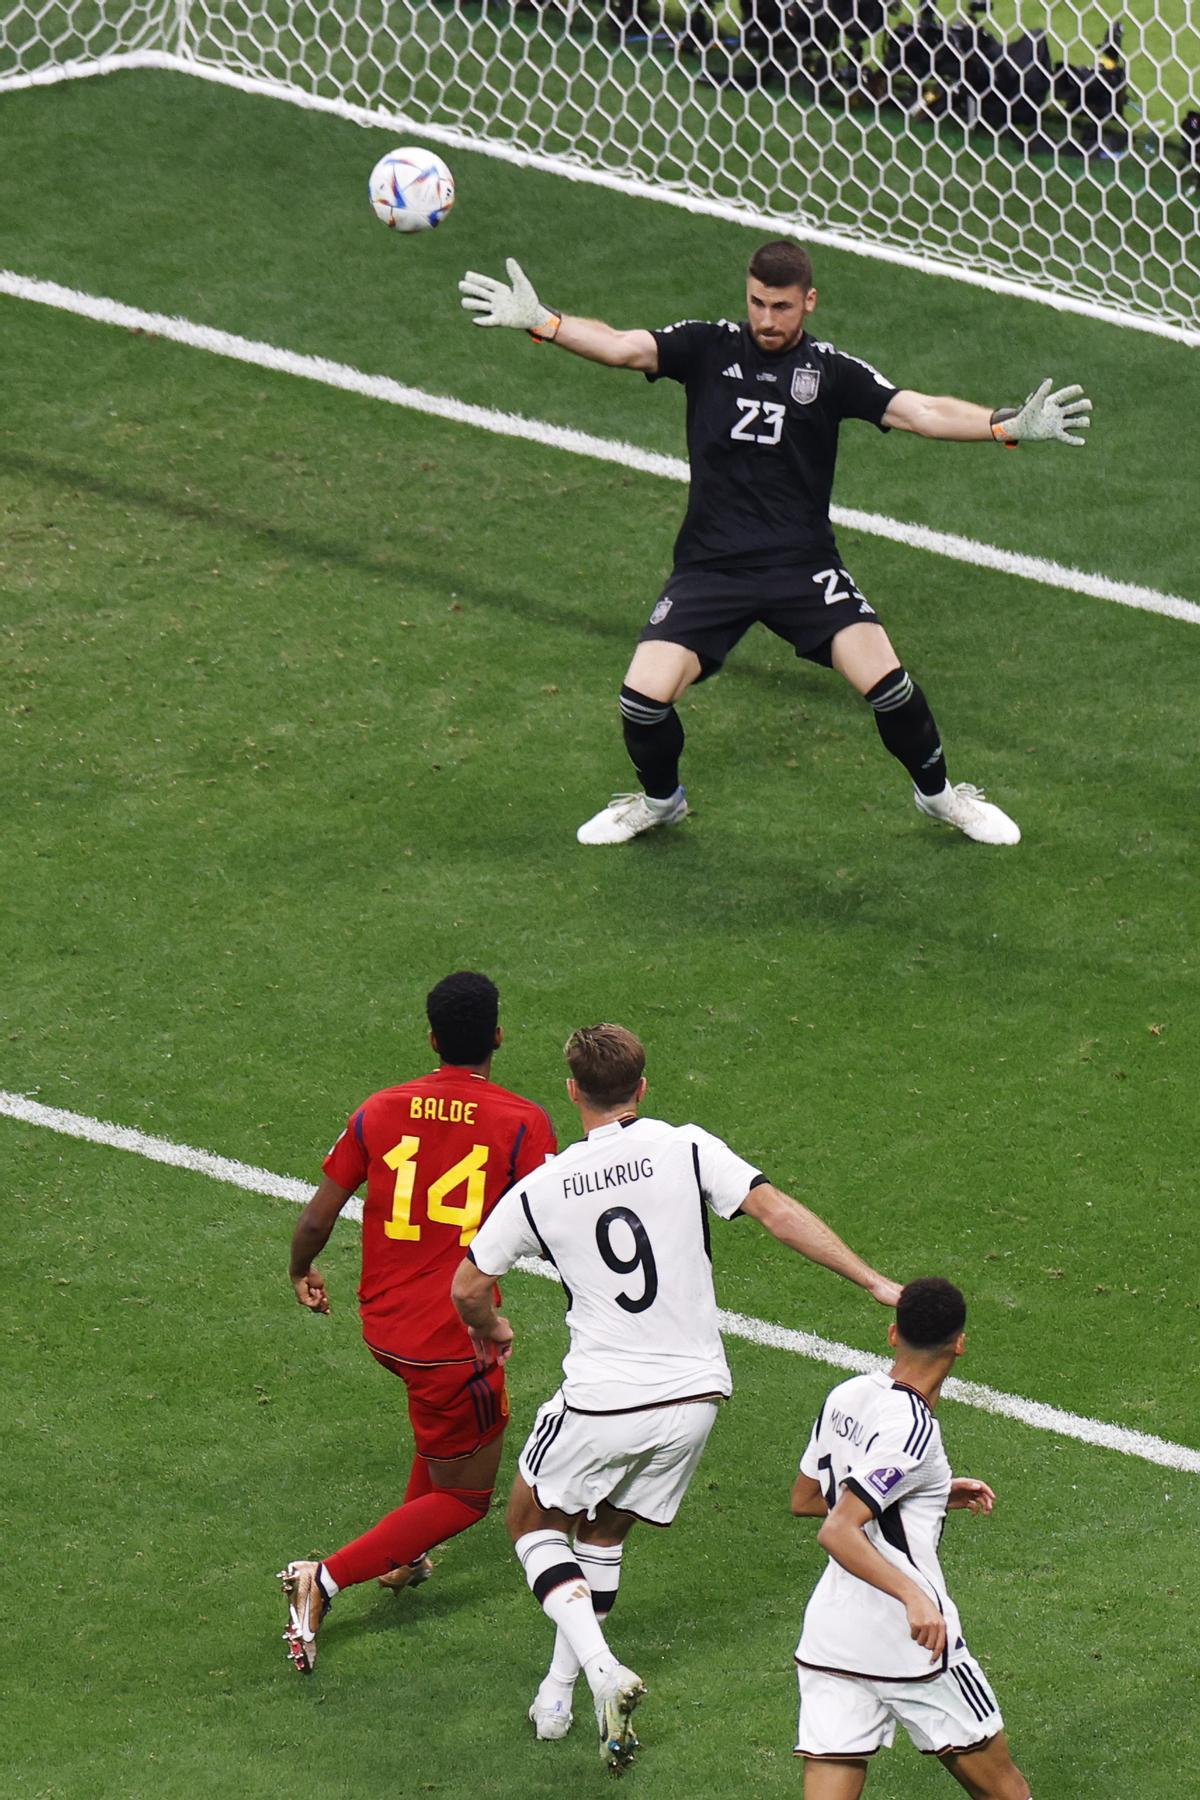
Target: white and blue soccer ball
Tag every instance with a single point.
(411, 190)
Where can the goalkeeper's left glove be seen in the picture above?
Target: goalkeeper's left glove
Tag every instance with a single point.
(492, 303)
(1044, 415)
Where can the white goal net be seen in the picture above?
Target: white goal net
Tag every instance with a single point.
(1054, 145)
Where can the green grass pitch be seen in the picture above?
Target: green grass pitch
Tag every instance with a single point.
(304, 698)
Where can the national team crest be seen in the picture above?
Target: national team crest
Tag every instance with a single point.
(805, 383)
(660, 611)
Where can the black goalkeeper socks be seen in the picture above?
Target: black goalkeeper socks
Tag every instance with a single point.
(908, 729)
(654, 740)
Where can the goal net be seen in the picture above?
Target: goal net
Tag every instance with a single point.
(1053, 146)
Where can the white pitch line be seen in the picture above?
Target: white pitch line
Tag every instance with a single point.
(754, 1331)
(576, 443)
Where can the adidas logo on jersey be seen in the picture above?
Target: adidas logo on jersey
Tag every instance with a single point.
(734, 371)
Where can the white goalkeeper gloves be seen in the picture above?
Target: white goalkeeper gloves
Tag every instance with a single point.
(491, 302)
(1044, 415)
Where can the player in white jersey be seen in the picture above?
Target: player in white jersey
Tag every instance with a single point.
(882, 1642)
(624, 1217)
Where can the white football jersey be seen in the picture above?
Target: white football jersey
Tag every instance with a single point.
(623, 1215)
(879, 1438)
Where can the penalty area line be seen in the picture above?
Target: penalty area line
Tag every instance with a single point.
(255, 1180)
(575, 443)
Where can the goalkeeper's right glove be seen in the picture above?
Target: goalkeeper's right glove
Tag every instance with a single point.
(492, 303)
(1044, 415)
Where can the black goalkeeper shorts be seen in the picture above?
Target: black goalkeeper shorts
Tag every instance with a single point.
(709, 610)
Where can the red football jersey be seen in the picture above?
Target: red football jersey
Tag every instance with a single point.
(436, 1155)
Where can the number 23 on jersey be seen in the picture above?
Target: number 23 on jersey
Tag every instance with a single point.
(761, 422)
(469, 1173)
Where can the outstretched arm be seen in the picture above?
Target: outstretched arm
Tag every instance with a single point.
(493, 302)
(602, 343)
(939, 416)
(805, 1233)
(1061, 415)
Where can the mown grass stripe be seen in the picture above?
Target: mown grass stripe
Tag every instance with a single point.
(1034, 1413)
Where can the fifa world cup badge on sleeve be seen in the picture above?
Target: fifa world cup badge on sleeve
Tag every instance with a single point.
(884, 1480)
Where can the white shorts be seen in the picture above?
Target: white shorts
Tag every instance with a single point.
(640, 1462)
(851, 1716)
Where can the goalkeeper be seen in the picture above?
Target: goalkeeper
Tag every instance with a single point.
(764, 404)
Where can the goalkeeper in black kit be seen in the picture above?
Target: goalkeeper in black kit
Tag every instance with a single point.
(764, 404)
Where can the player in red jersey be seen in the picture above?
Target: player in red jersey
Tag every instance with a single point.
(436, 1155)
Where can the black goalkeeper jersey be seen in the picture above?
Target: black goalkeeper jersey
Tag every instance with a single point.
(762, 432)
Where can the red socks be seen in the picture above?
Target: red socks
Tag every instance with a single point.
(408, 1533)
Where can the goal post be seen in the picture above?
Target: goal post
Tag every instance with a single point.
(1050, 150)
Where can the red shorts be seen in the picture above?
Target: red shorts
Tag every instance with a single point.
(454, 1408)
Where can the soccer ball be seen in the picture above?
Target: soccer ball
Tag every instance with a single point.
(411, 190)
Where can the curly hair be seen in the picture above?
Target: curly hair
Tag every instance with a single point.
(930, 1313)
(462, 1011)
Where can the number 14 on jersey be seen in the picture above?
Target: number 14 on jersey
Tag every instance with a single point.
(469, 1173)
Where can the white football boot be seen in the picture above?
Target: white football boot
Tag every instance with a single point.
(619, 1694)
(965, 807)
(550, 1714)
(627, 815)
(307, 1607)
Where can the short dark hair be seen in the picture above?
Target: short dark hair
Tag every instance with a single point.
(782, 264)
(607, 1062)
(930, 1313)
(462, 1011)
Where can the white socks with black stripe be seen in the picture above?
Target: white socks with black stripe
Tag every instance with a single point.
(558, 1584)
(601, 1566)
